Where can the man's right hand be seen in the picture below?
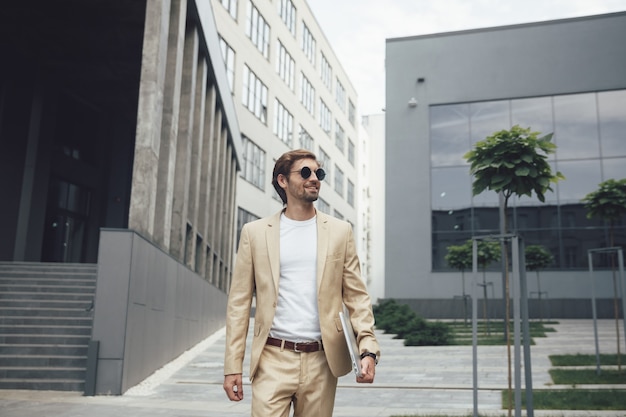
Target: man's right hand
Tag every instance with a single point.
(233, 387)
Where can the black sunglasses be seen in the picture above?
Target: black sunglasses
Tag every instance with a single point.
(305, 172)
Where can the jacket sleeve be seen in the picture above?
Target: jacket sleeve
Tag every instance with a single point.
(238, 309)
(357, 300)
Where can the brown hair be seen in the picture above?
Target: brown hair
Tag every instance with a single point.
(283, 166)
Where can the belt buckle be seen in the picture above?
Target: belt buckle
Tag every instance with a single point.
(295, 347)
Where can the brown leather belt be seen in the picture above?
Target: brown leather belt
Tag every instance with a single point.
(305, 347)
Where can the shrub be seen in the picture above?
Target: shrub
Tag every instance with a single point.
(400, 320)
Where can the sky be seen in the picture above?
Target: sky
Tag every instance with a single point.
(357, 29)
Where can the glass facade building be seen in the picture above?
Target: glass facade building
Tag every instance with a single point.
(588, 130)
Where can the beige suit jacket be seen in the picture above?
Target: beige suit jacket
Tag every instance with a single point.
(338, 282)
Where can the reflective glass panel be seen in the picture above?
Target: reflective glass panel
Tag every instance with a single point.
(612, 110)
(581, 178)
(576, 126)
(449, 134)
(450, 188)
(487, 118)
(614, 168)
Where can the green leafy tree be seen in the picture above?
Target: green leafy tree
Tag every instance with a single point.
(512, 162)
(608, 202)
(537, 257)
(487, 252)
(460, 257)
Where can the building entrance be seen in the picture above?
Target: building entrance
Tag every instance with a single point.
(65, 231)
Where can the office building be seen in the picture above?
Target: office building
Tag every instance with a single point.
(447, 91)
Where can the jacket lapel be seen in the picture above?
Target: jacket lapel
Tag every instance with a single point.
(272, 236)
(322, 246)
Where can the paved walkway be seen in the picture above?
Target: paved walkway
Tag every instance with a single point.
(409, 381)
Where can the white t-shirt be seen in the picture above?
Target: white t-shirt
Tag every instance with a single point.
(297, 317)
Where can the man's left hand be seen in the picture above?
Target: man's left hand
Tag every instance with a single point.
(368, 369)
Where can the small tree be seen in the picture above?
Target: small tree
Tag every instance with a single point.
(460, 257)
(537, 257)
(487, 252)
(512, 162)
(608, 202)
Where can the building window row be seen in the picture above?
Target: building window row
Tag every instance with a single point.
(340, 137)
(306, 140)
(307, 94)
(287, 12)
(231, 6)
(325, 117)
(326, 72)
(254, 95)
(243, 217)
(285, 65)
(283, 123)
(258, 30)
(253, 169)
(308, 43)
(229, 60)
(340, 96)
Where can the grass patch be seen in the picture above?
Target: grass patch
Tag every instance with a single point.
(586, 376)
(492, 334)
(575, 399)
(582, 360)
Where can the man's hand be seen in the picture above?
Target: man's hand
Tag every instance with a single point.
(233, 387)
(368, 369)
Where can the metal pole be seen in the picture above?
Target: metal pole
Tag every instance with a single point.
(593, 309)
(620, 263)
(475, 326)
(516, 326)
(528, 374)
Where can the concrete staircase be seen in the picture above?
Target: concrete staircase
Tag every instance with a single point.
(45, 325)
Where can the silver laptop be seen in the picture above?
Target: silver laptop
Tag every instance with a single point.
(348, 332)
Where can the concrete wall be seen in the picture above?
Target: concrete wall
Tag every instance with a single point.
(550, 58)
(148, 310)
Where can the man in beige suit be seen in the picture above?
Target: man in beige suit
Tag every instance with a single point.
(303, 268)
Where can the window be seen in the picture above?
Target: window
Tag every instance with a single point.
(338, 181)
(325, 117)
(253, 163)
(243, 217)
(231, 6)
(326, 72)
(350, 196)
(338, 214)
(340, 137)
(340, 96)
(307, 94)
(580, 122)
(308, 43)
(306, 140)
(254, 95)
(351, 152)
(351, 112)
(283, 123)
(258, 30)
(323, 206)
(287, 12)
(229, 59)
(325, 163)
(285, 65)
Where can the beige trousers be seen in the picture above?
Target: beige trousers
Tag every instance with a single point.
(285, 377)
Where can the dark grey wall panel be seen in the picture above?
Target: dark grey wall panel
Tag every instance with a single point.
(149, 309)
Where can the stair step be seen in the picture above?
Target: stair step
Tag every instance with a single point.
(17, 361)
(45, 321)
(44, 339)
(45, 324)
(40, 349)
(49, 312)
(29, 329)
(42, 372)
(43, 384)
